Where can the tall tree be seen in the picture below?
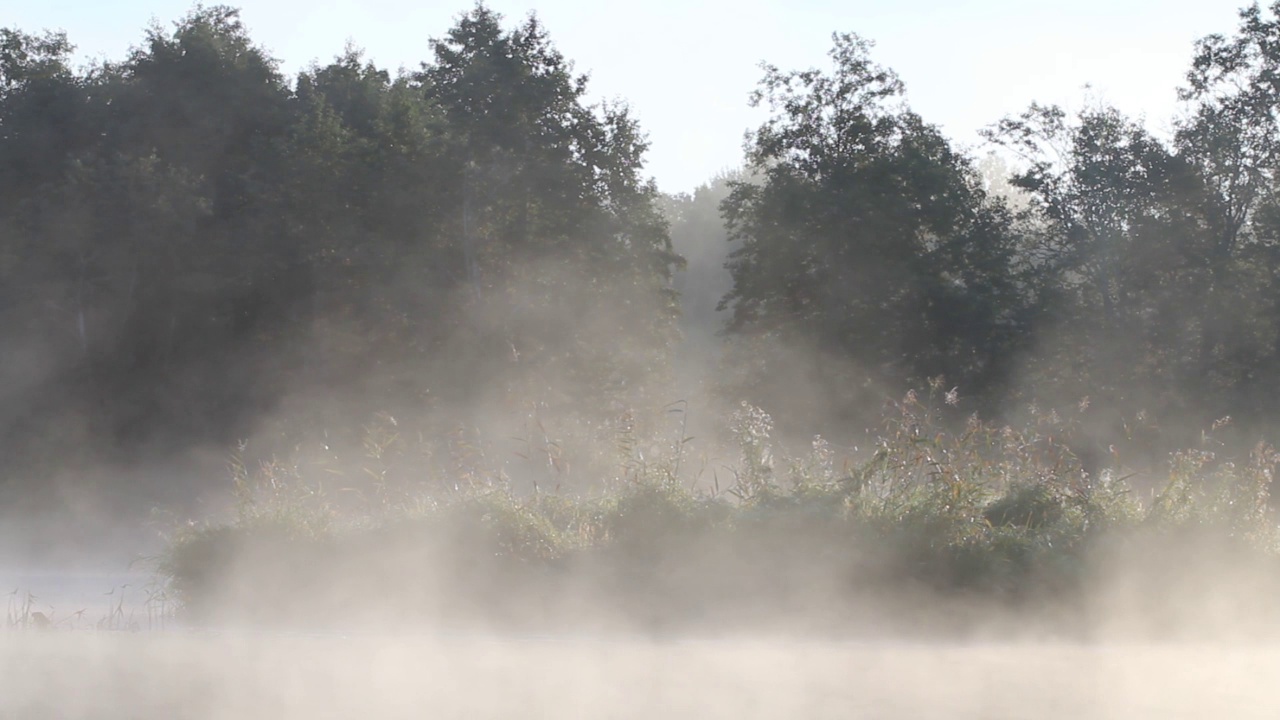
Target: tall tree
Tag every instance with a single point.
(551, 206)
(868, 237)
(1106, 254)
(1231, 136)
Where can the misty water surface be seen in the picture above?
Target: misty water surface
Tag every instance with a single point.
(212, 676)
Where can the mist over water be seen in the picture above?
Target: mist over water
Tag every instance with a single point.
(223, 677)
(361, 394)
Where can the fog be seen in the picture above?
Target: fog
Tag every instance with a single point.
(1172, 649)
(352, 392)
(306, 677)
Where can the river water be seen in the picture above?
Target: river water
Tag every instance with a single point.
(252, 677)
(81, 670)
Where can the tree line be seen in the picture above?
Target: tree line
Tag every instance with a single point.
(1111, 267)
(188, 237)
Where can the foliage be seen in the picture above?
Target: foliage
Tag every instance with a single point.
(191, 237)
(420, 267)
(1004, 513)
(867, 237)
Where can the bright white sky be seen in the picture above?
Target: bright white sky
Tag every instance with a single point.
(687, 66)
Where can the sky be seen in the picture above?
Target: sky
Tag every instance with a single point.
(687, 67)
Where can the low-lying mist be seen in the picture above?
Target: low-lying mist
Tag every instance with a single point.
(369, 393)
(403, 676)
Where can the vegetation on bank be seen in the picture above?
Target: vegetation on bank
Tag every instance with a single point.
(991, 516)
(196, 247)
(192, 241)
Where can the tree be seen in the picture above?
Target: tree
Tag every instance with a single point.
(869, 238)
(190, 239)
(1231, 136)
(1108, 194)
(553, 215)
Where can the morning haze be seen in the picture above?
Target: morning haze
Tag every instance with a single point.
(363, 359)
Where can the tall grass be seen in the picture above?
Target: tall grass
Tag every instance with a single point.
(949, 507)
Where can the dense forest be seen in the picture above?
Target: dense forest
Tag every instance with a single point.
(196, 249)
